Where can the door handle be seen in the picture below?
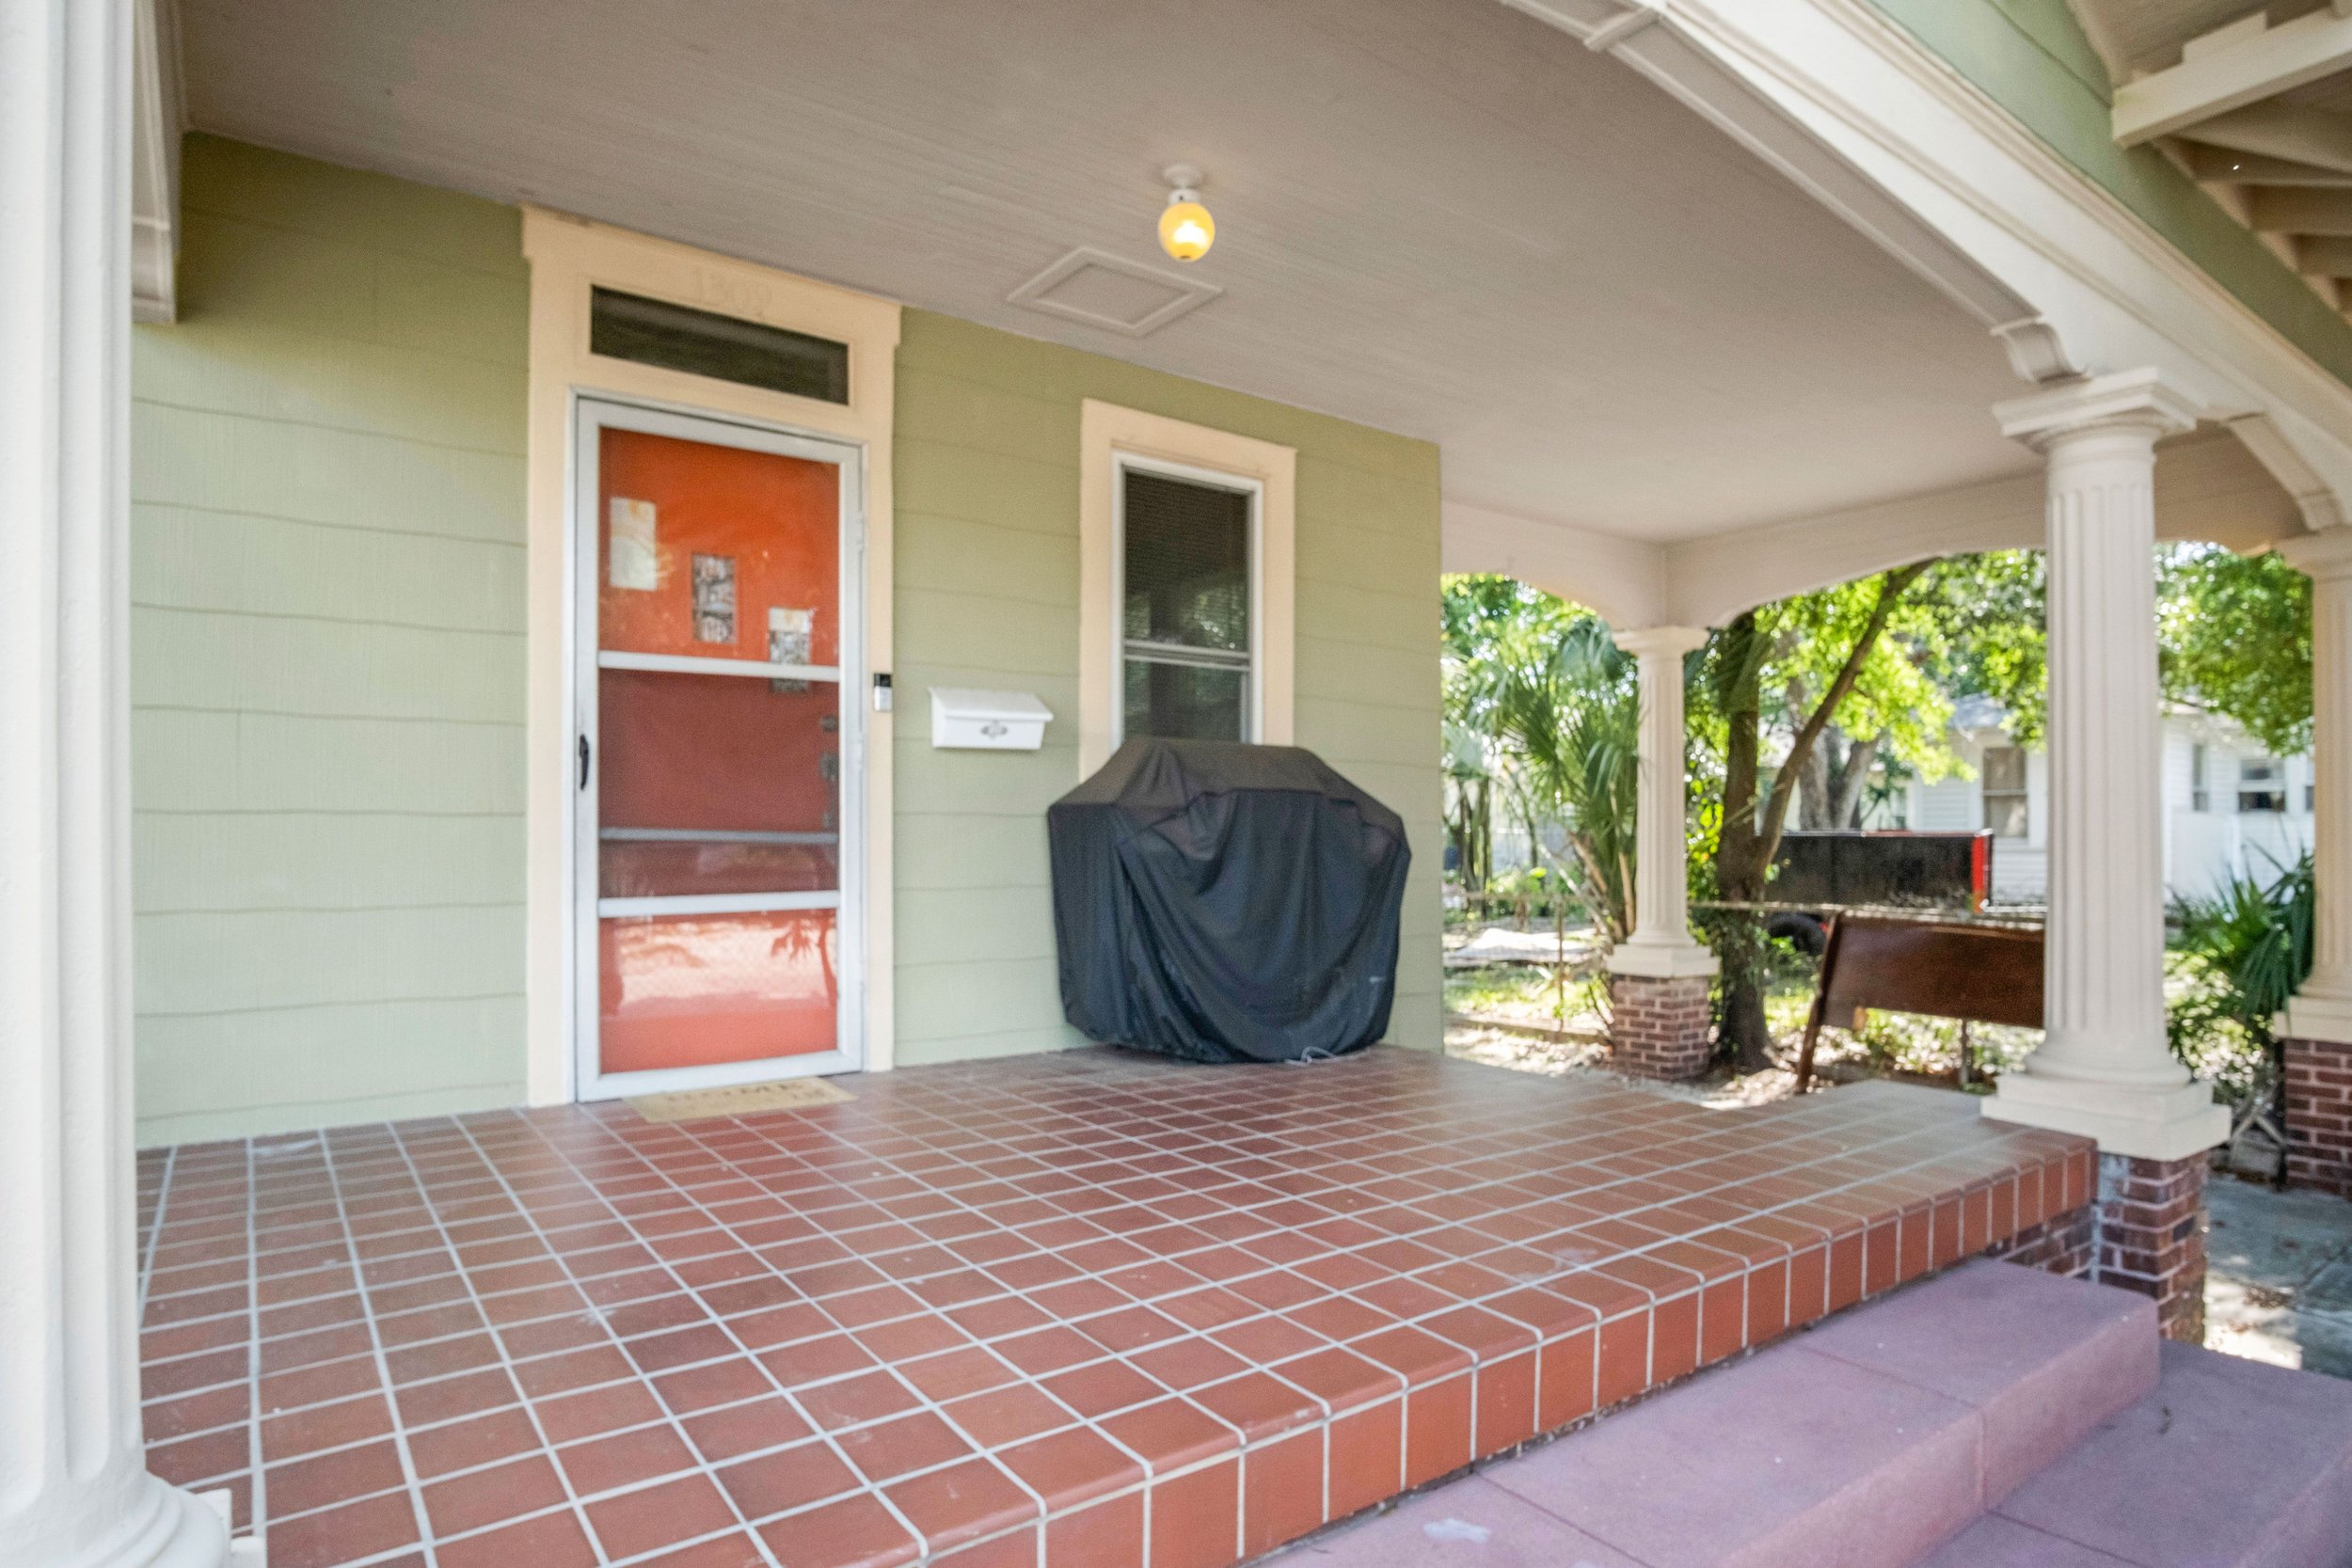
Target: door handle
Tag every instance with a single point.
(583, 762)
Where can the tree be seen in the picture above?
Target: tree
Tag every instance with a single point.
(1554, 703)
(1821, 643)
(2234, 637)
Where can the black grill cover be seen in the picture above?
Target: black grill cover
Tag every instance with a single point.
(1225, 903)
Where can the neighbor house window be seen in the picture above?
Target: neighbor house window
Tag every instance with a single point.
(2004, 775)
(2200, 790)
(1188, 570)
(2262, 784)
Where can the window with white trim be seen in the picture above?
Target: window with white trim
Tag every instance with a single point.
(2006, 803)
(2262, 784)
(1188, 571)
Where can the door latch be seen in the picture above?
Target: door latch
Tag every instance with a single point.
(583, 762)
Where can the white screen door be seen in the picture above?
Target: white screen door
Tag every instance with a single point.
(717, 754)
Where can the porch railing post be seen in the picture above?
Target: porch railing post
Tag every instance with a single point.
(74, 1489)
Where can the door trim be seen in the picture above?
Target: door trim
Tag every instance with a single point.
(568, 256)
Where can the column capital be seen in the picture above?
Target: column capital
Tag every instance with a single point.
(2127, 399)
(1662, 639)
(2324, 556)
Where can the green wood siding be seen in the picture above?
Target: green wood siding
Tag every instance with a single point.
(327, 646)
(988, 595)
(328, 654)
(2031, 58)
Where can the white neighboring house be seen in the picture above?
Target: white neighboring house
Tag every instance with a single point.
(2231, 809)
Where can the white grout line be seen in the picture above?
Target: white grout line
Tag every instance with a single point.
(505, 1365)
(1000, 1148)
(383, 1367)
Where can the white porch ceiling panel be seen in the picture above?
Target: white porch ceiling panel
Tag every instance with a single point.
(1439, 217)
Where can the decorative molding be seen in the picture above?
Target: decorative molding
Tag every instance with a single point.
(157, 120)
(2140, 399)
(2036, 351)
(2318, 504)
(1614, 31)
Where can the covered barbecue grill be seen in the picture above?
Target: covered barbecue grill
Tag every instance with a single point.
(1225, 903)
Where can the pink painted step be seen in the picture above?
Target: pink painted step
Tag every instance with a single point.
(1865, 1444)
(2228, 1464)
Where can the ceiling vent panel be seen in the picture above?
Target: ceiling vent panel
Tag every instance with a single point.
(1109, 291)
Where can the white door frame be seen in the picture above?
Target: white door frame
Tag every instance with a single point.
(592, 414)
(570, 258)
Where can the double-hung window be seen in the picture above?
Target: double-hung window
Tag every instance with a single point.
(1188, 573)
(2006, 801)
(2262, 784)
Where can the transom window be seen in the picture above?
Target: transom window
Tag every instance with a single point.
(1187, 563)
(2005, 799)
(726, 348)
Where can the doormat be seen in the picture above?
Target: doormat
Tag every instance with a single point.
(739, 1099)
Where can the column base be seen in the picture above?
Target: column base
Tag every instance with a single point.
(1663, 960)
(2319, 1096)
(2144, 1123)
(2152, 1237)
(159, 1526)
(2317, 1016)
(1660, 1026)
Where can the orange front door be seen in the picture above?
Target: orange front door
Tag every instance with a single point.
(718, 751)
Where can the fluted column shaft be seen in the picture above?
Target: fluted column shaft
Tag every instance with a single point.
(74, 1490)
(2104, 1067)
(2103, 986)
(1661, 943)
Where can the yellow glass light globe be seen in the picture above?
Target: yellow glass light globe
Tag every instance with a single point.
(1187, 230)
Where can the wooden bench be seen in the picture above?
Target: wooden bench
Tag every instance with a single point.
(1976, 973)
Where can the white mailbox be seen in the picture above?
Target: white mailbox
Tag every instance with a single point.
(988, 720)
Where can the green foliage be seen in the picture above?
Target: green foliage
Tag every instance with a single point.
(2254, 938)
(1992, 637)
(1554, 699)
(2235, 639)
(2237, 957)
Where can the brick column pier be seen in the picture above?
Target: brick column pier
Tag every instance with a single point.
(1660, 1027)
(2319, 1115)
(2151, 1236)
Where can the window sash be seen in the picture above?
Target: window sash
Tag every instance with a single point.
(1150, 651)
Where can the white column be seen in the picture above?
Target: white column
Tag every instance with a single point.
(1660, 944)
(2322, 1009)
(2104, 1068)
(74, 1490)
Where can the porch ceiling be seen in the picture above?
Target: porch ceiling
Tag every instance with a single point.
(1439, 217)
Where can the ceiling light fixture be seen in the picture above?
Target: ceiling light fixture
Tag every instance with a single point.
(1187, 230)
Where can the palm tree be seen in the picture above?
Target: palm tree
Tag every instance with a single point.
(1544, 682)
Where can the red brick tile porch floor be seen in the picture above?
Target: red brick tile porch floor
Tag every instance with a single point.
(1083, 1309)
